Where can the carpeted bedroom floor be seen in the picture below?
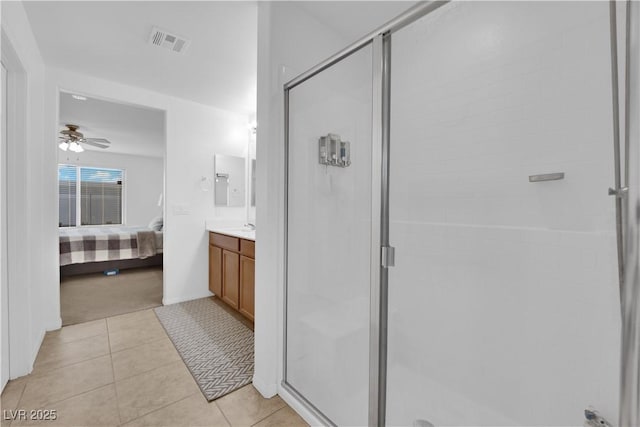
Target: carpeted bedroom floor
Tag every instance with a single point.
(96, 296)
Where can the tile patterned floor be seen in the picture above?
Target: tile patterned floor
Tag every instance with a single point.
(125, 371)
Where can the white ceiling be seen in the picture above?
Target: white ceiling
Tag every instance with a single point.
(131, 129)
(109, 39)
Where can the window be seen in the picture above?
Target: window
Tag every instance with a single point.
(67, 180)
(89, 196)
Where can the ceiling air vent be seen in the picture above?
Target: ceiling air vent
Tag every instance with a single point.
(165, 39)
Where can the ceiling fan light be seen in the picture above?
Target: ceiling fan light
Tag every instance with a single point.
(64, 145)
(79, 149)
(74, 147)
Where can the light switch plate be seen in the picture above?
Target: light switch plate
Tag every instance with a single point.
(181, 210)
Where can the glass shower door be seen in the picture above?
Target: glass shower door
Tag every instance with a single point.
(329, 239)
(503, 302)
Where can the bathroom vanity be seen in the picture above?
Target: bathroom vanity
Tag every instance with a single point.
(232, 268)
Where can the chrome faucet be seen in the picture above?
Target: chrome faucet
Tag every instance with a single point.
(250, 226)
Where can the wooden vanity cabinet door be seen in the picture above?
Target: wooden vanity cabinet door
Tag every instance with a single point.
(215, 270)
(230, 278)
(247, 285)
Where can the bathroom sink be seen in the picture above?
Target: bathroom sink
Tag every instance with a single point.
(242, 232)
(243, 229)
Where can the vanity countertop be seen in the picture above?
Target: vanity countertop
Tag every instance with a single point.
(241, 232)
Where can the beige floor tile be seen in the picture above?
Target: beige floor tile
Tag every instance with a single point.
(144, 393)
(95, 408)
(152, 386)
(77, 332)
(143, 358)
(12, 393)
(59, 384)
(135, 319)
(283, 417)
(10, 398)
(191, 411)
(129, 338)
(134, 329)
(245, 407)
(54, 354)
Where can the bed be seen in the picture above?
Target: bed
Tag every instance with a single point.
(96, 249)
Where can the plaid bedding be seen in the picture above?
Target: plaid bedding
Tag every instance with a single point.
(95, 244)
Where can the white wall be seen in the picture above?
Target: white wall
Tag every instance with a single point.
(144, 180)
(33, 274)
(194, 133)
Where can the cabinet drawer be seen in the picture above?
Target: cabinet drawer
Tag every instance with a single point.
(225, 242)
(248, 248)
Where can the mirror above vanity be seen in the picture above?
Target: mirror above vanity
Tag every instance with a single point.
(229, 181)
(251, 210)
(234, 183)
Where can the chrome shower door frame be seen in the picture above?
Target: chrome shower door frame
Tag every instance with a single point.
(376, 102)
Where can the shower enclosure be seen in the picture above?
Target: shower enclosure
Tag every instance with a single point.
(451, 249)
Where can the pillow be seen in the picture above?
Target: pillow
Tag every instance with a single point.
(156, 223)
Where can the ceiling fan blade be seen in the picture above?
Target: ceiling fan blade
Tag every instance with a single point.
(98, 140)
(93, 143)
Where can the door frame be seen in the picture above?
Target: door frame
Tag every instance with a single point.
(20, 351)
(4, 283)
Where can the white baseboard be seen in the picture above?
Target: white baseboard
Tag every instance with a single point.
(183, 298)
(299, 407)
(267, 390)
(55, 325)
(34, 352)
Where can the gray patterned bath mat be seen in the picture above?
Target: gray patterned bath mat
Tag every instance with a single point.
(216, 347)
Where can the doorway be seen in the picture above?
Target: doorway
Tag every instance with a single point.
(4, 375)
(110, 185)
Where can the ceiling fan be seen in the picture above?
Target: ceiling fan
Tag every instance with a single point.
(71, 140)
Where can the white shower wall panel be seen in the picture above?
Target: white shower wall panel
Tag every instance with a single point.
(504, 305)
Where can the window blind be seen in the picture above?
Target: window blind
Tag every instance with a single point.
(67, 179)
(89, 196)
(100, 196)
